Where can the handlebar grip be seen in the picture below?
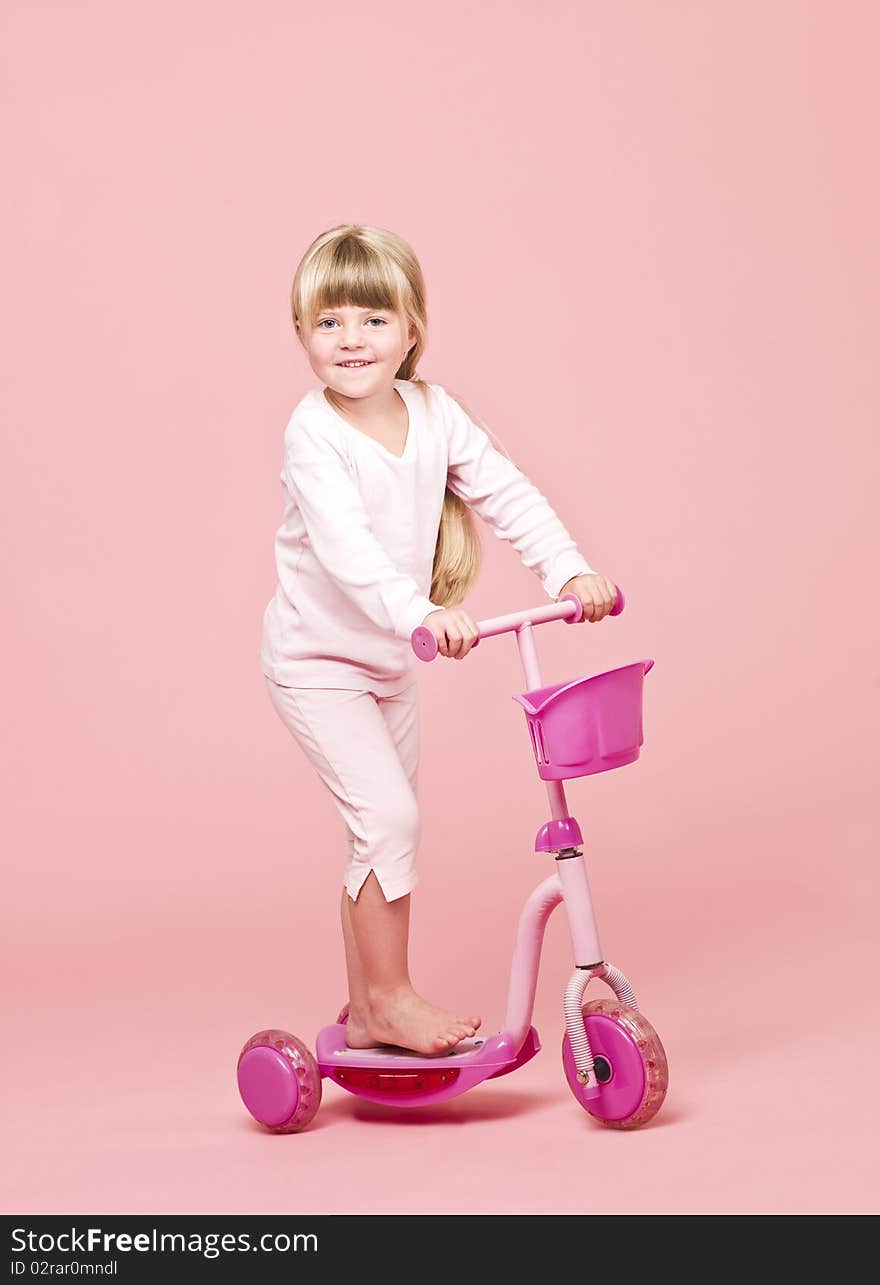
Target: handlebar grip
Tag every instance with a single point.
(424, 644)
(578, 615)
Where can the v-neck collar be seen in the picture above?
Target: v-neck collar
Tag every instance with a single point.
(404, 388)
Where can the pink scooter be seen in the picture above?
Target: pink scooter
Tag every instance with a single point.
(613, 1059)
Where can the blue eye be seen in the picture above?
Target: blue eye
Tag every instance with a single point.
(381, 320)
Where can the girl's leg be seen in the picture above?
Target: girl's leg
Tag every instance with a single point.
(383, 1006)
(377, 930)
(351, 743)
(379, 989)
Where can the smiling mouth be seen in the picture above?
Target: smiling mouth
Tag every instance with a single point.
(353, 365)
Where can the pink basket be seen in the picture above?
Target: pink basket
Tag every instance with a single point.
(587, 725)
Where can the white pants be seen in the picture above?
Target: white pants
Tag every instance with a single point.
(365, 748)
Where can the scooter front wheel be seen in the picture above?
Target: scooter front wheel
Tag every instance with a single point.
(279, 1081)
(631, 1065)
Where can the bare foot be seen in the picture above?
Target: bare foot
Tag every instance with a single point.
(405, 1019)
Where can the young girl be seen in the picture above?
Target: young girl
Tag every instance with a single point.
(379, 475)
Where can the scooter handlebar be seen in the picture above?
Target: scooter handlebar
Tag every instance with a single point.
(570, 609)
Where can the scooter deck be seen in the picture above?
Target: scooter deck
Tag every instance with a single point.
(392, 1053)
(490, 1052)
(333, 1050)
(394, 1076)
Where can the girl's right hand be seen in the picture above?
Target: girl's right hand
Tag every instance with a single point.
(454, 630)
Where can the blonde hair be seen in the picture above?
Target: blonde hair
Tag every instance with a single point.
(369, 267)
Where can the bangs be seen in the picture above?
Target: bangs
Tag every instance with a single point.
(349, 273)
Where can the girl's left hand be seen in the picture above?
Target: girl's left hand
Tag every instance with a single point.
(597, 594)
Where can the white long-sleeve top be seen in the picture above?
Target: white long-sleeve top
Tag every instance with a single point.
(355, 549)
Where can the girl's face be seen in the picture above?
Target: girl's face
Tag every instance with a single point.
(376, 336)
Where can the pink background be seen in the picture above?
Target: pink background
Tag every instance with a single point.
(649, 237)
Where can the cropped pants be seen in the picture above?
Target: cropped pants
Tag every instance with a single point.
(365, 748)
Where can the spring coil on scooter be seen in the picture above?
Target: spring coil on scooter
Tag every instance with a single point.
(618, 983)
(574, 1023)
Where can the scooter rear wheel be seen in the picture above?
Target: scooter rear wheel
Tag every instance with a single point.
(630, 1062)
(279, 1081)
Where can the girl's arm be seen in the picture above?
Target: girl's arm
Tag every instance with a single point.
(338, 527)
(504, 497)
